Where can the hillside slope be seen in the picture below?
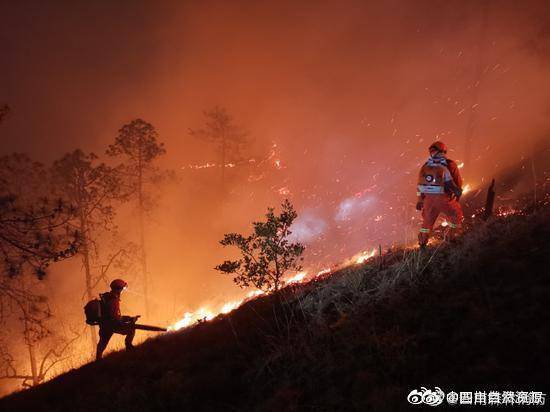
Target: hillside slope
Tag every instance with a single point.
(471, 316)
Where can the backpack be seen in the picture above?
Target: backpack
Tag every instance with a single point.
(93, 311)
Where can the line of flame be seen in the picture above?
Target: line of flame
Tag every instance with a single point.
(206, 314)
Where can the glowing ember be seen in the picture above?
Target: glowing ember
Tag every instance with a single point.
(208, 165)
(256, 178)
(197, 167)
(467, 188)
(284, 191)
(508, 211)
(255, 162)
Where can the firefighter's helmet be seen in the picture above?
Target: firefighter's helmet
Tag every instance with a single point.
(438, 146)
(118, 284)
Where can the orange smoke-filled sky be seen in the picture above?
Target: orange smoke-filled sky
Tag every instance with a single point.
(352, 92)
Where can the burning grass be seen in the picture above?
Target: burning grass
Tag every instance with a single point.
(469, 316)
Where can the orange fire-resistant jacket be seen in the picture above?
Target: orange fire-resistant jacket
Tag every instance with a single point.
(438, 176)
(110, 303)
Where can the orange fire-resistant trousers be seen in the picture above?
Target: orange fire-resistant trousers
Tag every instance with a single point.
(434, 204)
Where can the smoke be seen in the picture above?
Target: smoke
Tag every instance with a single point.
(351, 92)
(353, 207)
(308, 226)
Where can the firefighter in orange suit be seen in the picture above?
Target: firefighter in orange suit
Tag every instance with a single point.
(112, 321)
(439, 190)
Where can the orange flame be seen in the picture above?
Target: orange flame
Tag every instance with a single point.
(297, 278)
(364, 256)
(206, 314)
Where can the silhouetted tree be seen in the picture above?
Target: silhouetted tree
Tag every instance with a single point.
(220, 129)
(4, 110)
(118, 259)
(137, 144)
(43, 348)
(91, 188)
(267, 254)
(34, 230)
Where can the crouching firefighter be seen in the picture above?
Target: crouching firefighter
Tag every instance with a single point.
(439, 190)
(111, 320)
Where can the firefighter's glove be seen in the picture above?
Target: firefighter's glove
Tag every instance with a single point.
(419, 205)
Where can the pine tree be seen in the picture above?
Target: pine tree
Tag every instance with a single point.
(137, 143)
(220, 129)
(91, 188)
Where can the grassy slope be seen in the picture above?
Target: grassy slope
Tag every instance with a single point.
(468, 317)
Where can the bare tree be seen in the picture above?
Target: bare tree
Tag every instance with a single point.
(220, 129)
(92, 189)
(44, 350)
(137, 142)
(121, 257)
(34, 231)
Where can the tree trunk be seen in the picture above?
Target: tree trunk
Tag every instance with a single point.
(34, 368)
(27, 333)
(223, 163)
(26, 308)
(85, 252)
(489, 202)
(143, 257)
(277, 274)
(143, 260)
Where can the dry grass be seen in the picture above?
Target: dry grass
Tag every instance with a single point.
(359, 340)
